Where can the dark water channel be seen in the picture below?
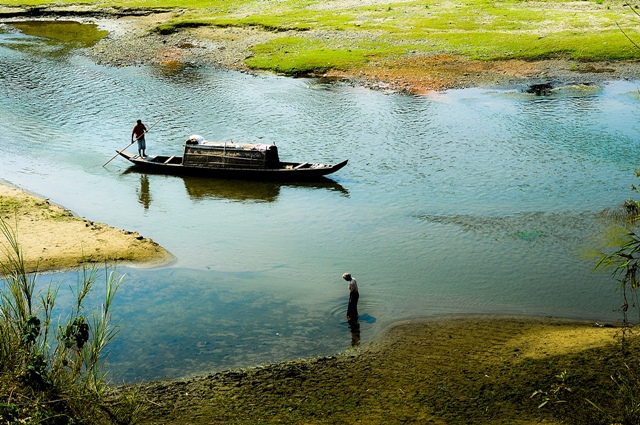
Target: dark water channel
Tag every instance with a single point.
(465, 202)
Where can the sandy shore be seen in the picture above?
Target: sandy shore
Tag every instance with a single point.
(53, 238)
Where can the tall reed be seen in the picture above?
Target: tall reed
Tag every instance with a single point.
(52, 371)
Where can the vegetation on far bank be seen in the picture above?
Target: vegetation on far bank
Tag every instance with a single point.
(317, 36)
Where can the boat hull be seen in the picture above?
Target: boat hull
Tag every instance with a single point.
(288, 171)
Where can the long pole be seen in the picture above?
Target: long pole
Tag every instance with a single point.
(145, 132)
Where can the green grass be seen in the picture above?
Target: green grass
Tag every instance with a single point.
(481, 29)
(297, 56)
(11, 206)
(489, 46)
(475, 28)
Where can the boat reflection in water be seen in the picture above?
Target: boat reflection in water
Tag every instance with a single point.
(248, 191)
(244, 191)
(231, 190)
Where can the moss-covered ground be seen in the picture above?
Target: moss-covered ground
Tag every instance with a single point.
(461, 371)
(377, 30)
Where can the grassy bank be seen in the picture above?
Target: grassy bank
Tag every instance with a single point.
(455, 371)
(317, 36)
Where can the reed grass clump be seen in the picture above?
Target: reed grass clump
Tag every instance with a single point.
(51, 368)
(624, 260)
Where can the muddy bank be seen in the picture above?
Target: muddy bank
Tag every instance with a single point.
(474, 370)
(53, 238)
(133, 41)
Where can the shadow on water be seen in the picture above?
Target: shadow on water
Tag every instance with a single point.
(340, 320)
(243, 191)
(233, 190)
(354, 327)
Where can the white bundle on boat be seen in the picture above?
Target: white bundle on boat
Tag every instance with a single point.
(196, 139)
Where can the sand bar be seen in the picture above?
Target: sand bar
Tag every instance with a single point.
(53, 238)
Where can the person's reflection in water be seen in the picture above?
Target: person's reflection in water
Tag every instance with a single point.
(354, 326)
(144, 196)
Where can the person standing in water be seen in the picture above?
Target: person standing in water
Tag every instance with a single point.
(354, 295)
(138, 132)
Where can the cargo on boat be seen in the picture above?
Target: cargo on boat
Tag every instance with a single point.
(231, 160)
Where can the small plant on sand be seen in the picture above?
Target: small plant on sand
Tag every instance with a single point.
(624, 408)
(50, 373)
(127, 405)
(555, 393)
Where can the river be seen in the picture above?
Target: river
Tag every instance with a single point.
(475, 201)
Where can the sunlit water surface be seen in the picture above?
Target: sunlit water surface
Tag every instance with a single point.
(464, 202)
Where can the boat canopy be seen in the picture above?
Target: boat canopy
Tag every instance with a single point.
(201, 153)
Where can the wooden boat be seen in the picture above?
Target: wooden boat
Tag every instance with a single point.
(233, 161)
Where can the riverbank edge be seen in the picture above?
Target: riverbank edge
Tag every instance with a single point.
(134, 40)
(380, 381)
(54, 239)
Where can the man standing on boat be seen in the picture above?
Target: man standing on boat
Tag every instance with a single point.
(138, 132)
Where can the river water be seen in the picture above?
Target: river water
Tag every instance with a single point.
(474, 201)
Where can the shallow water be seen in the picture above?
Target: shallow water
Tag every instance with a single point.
(470, 201)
